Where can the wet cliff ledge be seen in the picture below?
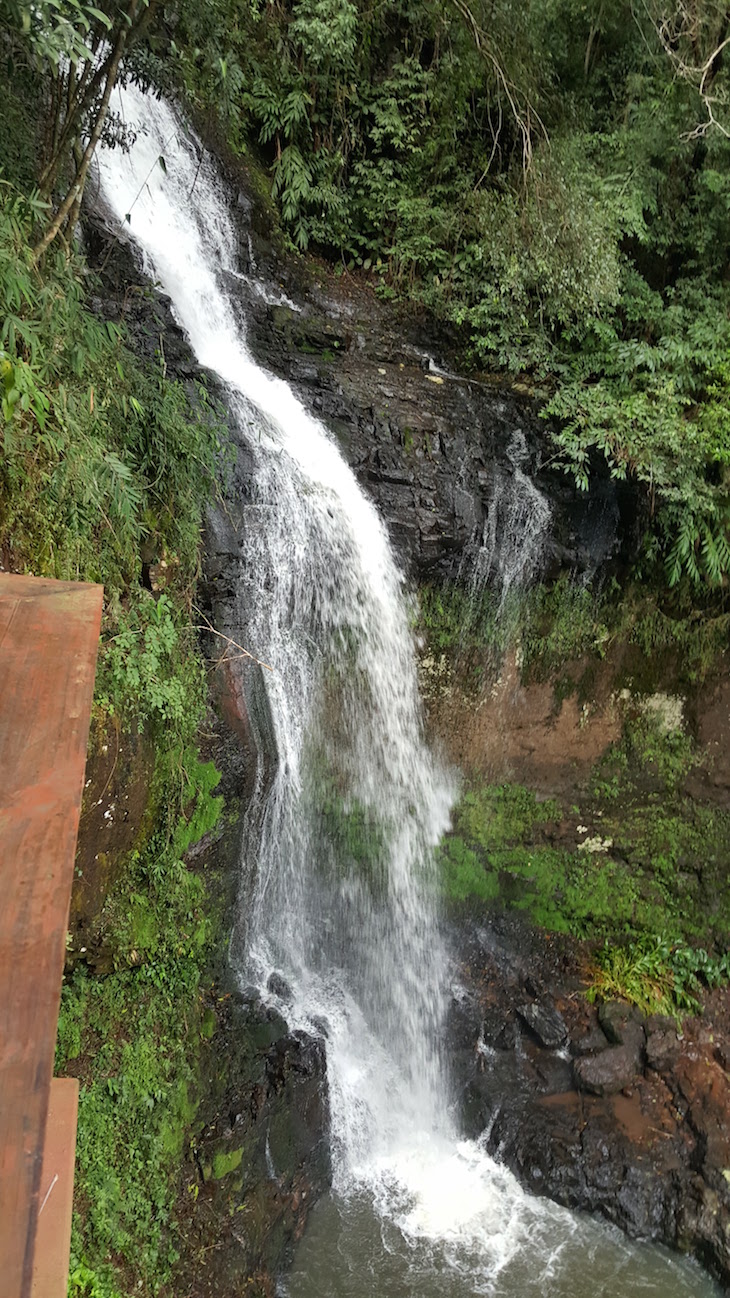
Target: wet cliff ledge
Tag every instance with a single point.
(586, 873)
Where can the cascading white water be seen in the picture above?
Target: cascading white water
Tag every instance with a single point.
(358, 940)
(344, 907)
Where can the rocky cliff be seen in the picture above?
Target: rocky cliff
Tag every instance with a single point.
(448, 461)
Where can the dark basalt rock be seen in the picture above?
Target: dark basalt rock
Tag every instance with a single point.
(662, 1049)
(435, 451)
(545, 1023)
(499, 1029)
(590, 1044)
(261, 1150)
(638, 1131)
(621, 1023)
(278, 986)
(464, 1017)
(606, 1073)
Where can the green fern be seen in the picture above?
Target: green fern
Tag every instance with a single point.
(700, 551)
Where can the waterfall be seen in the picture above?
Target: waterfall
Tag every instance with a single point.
(345, 905)
(344, 909)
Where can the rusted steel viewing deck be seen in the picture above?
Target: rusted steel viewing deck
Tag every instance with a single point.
(49, 633)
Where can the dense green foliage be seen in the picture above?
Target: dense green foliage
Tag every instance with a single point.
(99, 455)
(131, 1037)
(105, 470)
(105, 465)
(549, 177)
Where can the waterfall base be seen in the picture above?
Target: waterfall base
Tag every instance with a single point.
(599, 1109)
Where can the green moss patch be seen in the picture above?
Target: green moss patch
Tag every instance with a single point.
(225, 1163)
(638, 858)
(494, 856)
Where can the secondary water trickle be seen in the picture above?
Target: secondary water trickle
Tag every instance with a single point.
(344, 909)
(506, 552)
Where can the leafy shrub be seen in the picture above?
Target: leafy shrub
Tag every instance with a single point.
(84, 1282)
(146, 670)
(658, 976)
(99, 455)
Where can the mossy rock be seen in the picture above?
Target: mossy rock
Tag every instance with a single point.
(224, 1163)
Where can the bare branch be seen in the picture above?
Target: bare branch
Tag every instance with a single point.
(694, 36)
(524, 113)
(230, 643)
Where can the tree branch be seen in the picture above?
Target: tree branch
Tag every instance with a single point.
(82, 92)
(685, 35)
(230, 643)
(523, 112)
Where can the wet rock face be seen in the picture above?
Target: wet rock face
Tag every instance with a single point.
(545, 1023)
(437, 452)
(113, 822)
(260, 1158)
(606, 1073)
(624, 1117)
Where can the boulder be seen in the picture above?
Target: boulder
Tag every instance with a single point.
(606, 1073)
(592, 1043)
(545, 1023)
(278, 986)
(619, 1021)
(662, 1049)
(623, 1025)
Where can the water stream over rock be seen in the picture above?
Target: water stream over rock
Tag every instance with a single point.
(343, 933)
(506, 552)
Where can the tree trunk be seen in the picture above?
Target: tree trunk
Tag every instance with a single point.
(77, 188)
(81, 93)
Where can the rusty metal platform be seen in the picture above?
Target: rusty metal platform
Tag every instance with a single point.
(49, 634)
(55, 1204)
